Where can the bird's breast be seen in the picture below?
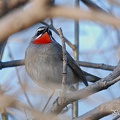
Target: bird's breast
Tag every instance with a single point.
(43, 65)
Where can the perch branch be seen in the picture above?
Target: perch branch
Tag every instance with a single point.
(100, 85)
(102, 111)
(13, 63)
(64, 71)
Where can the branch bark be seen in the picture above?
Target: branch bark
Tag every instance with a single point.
(64, 72)
(101, 111)
(100, 85)
(13, 63)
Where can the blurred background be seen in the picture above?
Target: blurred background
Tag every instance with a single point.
(98, 43)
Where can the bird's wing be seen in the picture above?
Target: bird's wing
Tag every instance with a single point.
(71, 63)
(90, 77)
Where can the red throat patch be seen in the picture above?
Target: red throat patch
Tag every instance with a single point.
(44, 39)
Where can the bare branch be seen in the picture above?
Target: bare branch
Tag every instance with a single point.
(32, 16)
(23, 18)
(96, 65)
(7, 5)
(100, 85)
(64, 72)
(80, 14)
(12, 63)
(64, 80)
(117, 116)
(101, 111)
(20, 81)
(92, 5)
(4, 114)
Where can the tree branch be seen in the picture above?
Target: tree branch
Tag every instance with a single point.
(96, 65)
(64, 71)
(102, 110)
(24, 18)
(92, 5)
(7, 5)
(13, 63)
(100, 85)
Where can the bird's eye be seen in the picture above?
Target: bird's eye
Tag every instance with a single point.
(39, 32)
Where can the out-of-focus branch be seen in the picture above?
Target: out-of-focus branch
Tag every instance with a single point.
(7, 5)
(23, 18)
(117, 116)
(100, 85)
(102, 111)
(92, 5)
(114, 2)
(42, 9)
(96, 65)
(20, 81)
(80, 14)
(2, 47)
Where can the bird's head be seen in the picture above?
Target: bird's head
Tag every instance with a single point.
(42, 36)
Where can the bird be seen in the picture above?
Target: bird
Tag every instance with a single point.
(44, 62)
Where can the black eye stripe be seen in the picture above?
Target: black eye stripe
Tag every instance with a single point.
(39, 32)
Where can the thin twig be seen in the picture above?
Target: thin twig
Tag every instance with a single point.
(20, 82)
(64, 72)
(96, 65)
(13, 63)
(64, 80)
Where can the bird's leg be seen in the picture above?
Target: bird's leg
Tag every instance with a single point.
(53, 91)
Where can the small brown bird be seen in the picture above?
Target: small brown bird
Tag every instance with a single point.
(43, 62)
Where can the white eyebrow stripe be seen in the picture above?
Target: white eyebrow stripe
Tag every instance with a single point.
(40, 29)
